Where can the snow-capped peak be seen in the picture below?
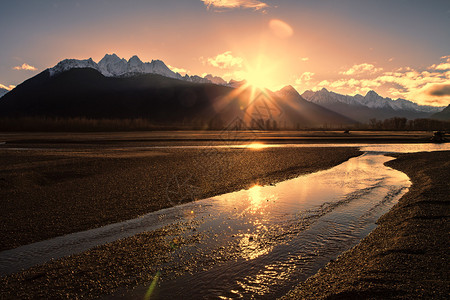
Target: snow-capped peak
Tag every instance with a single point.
(372, 100)
(112, 65)
(69, 64)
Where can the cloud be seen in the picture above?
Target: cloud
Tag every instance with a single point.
(225, 60)
(429, 86)
(7, 87)
(305, 77)
(280, 28)
(360, 69)
(441, 67)
(230, 4)
(440, 90)
(25, 67)
(356, 86)
(178, 70)
(444, 66)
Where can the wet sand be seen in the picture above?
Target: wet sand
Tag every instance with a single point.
(55, 192)
(49, 193)
(407, 255)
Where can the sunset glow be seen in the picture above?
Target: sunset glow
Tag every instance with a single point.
(348, 47)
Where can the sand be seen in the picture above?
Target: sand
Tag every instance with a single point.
(407, 255)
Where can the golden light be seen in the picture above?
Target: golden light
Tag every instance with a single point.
(256, 197)
(261, 74)
(257, 146)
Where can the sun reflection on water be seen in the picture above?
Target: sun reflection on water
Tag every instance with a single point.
(257, 146)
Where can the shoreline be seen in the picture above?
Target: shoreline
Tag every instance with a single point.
(226, 137)
(406, 256)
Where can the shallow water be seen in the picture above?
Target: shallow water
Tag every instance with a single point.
(262, 240)
(285, 233)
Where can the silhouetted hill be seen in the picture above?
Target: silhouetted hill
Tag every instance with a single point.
(86, 93)
(443, 115)
(305, 113)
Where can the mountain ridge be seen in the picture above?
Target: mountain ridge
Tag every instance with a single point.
(113, 66)
(372, 105)
(87, 93)
(443, 115)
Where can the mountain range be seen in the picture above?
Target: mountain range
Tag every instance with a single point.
(363, 108)
(117, 88)
(113, 66)
(86, 92)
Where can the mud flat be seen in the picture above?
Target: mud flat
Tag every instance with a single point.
(52, 192)
(49, 193)
(407, 255)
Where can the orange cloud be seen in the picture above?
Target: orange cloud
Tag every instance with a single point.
(280, 28)
(7, 87)
(362, 69)
(225, 60)
(25, 67)
(253, 4)
(178, 70)
(444, 66)
(305, 77)
(423, 87)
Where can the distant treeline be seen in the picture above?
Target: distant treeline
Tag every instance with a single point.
(47, 124)
(405, 124)
(35, 124)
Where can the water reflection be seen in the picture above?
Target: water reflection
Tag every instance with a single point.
(281, 233)
(258, 241)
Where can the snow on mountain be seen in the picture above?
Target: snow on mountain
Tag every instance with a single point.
(113, 66)
(3, 92)
(69, 64)
(371, 100)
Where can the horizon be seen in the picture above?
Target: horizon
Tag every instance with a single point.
(359, 47)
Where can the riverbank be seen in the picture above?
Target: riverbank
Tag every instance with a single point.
(406, 256)
(52, 192)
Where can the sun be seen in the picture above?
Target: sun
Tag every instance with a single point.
(258, 78)
(261, 74)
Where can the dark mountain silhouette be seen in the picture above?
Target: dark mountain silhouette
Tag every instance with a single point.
(87, 93)
(301, 112)
(162, 100)
(443, 115)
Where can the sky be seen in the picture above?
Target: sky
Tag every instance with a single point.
(399, 48)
